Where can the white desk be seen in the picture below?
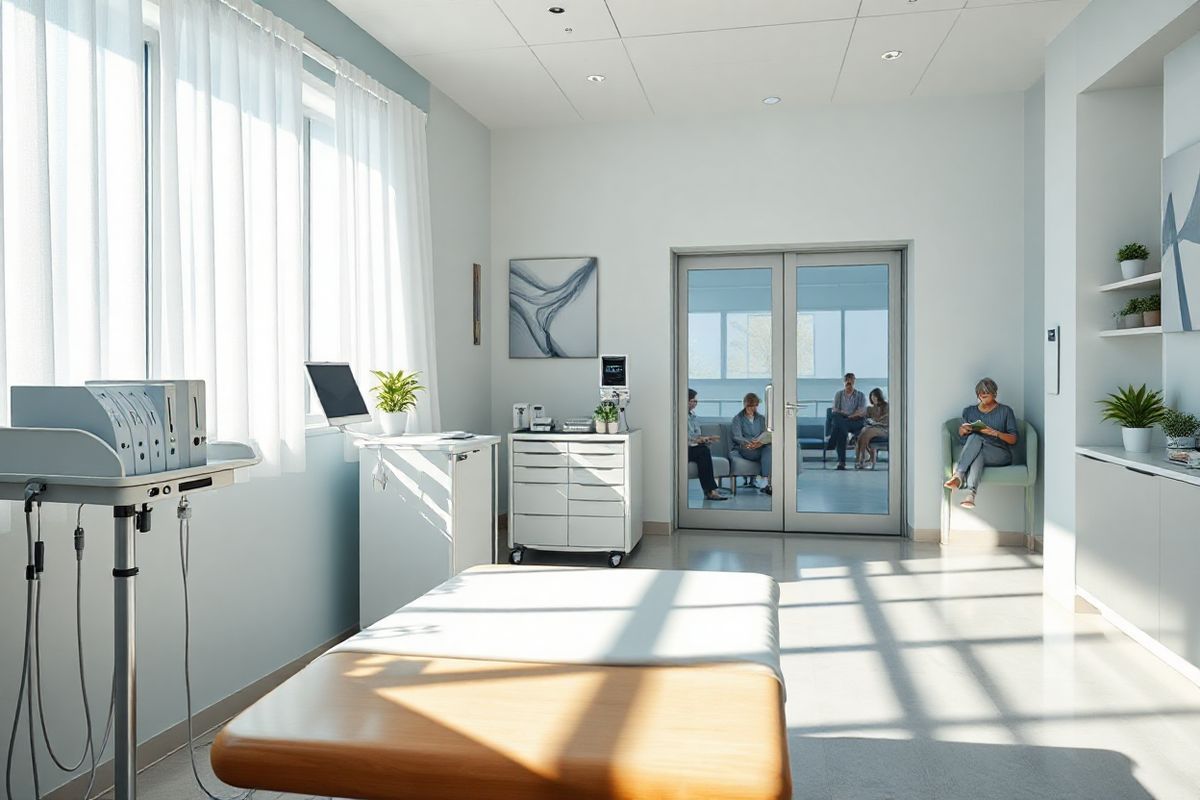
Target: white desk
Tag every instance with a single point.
(427, 511)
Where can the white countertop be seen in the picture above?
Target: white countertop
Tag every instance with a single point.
(1155, 461)
(426, 441)
(559, 435)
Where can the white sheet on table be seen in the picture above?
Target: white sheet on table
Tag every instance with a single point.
(565, 615)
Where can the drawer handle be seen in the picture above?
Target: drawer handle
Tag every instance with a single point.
(1142, 472)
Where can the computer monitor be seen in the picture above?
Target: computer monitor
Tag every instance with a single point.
(338, 393)
(612, 372)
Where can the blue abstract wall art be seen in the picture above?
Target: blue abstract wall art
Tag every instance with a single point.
(1181, 241)
(552, 308)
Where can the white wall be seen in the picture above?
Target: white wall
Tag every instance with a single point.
(1103, 35)
(947, 175)
(1035, 273)
(1181, 129)
(460, 205)
(273, 574)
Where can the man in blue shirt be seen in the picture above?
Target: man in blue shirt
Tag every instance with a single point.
(849, 415)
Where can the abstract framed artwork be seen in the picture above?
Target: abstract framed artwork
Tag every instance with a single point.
(1181, 241)
(553, 308)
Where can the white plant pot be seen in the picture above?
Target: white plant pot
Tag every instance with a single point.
(393, 422)
(1181, 442)
(1136, 440)
(1133, 268)
(614, 427)
(601, 425)
(1131, 321)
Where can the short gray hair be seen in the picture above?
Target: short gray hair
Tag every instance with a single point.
(987, 386)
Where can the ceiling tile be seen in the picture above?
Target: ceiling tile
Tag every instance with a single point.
(997, 48)
(876, 8)
(418, 27)
(867, 77)
(653, 17)
(734, 69)
(505, 88)
(619, 97)
(587, 19)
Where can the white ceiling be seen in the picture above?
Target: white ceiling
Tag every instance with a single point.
(511, 63)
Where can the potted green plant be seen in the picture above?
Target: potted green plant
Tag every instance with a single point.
(396, 394)
(1137, 411)
(1133, 258)
(1151, 310)
(1130, 315)
(607, 415)
(1180, 429)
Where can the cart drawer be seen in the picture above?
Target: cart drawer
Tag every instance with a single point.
(597, 532)
(548, 531)
(540, 475)
(598, 448)
(590, 476)
(611, 494)
(535, 498)
(523, 446)
(606, 461)
(595, 508)
(522, 459)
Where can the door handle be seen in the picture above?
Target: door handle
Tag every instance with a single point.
(770, 393)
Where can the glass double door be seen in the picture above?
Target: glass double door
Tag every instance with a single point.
(789, 390)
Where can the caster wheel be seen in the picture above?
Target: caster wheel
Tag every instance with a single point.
(516, 556)
(615, 559)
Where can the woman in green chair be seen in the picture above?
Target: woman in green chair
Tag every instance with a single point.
(989, 436)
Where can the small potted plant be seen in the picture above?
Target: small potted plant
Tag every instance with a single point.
(1151, 310)
(1130, 316)
(599, 416)
(395, 395)
(1180, 429)
(608, 414)
(1133, 258)
(1137, 411)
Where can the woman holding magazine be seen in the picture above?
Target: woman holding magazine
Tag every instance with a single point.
(875, 427)
(989, 435)
(750, 438)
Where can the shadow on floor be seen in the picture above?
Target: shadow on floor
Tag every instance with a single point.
(925, 769)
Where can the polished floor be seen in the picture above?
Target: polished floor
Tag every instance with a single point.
(920, 672)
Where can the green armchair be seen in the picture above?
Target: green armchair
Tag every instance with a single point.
(1021, 473)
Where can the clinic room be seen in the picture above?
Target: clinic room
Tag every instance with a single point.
(599, 399)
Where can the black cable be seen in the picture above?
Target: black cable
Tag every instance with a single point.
(185, 514)
(31, 581)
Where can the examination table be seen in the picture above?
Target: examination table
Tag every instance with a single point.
(536, 682)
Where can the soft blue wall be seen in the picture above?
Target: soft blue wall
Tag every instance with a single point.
(336, 33)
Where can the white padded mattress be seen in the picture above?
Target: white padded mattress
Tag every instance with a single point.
(569, 615)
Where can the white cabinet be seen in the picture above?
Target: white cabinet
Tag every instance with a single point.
(575, 492)
(427, 511)
(1117, 555)
(1179, 608)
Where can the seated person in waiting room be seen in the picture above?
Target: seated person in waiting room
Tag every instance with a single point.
(750, 438)
(989, 435)
(849, 415)
(875, 427)
(699, 453)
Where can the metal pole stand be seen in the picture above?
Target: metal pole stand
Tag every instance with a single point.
(125, 660)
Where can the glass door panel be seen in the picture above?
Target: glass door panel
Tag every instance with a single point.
(730, 338)
(844, 393)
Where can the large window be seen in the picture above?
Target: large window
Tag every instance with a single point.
(729, 345)
(831, 343)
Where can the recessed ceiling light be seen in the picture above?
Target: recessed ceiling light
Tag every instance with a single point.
(596, 78)
(892, 55)
(556, 9)
(772, 100)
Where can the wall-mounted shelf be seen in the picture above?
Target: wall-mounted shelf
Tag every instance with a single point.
(1150, 279)
(1149, 330)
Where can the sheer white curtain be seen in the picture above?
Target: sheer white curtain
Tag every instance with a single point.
(72, 233)
(230, 278)
(384, 294)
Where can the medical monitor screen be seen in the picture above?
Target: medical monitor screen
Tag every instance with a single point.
(612, 372)
(338, 393)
